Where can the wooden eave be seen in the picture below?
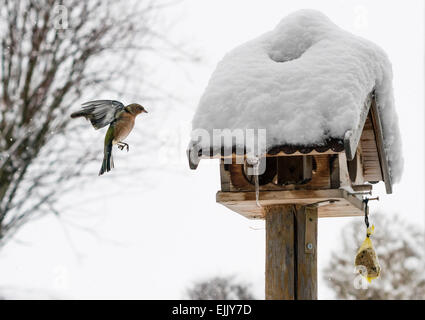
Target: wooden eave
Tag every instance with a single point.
(353, 137)
(349, 144)
(331, 146)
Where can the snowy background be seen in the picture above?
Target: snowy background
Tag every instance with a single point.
(153, 235)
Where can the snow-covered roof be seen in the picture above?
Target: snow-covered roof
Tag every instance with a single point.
(306, 82)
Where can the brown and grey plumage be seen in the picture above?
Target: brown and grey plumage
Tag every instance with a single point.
(120, 119)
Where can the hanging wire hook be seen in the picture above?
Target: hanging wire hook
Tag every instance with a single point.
(366, 211)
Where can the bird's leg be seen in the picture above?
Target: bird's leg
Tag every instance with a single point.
(121, 145)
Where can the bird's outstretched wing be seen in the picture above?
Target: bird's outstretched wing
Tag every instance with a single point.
(100, 112)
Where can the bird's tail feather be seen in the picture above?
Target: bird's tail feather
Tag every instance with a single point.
(78, 114)
(107, 163)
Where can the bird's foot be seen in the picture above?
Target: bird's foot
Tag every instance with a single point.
(122, 145)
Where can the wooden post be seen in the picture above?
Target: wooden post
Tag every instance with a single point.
(291, 252)
(280, 253)
(306, 275)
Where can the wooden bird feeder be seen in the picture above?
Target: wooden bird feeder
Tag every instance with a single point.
(299, 185)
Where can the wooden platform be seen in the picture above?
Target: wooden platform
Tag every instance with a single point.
(344, 204)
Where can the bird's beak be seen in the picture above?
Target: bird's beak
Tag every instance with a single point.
(145, 111)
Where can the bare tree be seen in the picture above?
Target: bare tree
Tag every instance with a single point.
(220, 288)
(52, 53)
(399, 247)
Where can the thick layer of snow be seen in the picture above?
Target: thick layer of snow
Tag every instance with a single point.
(303, 82)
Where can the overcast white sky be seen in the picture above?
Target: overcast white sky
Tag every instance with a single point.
(160, 231)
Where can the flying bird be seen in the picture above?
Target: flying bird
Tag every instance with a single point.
(120, 119)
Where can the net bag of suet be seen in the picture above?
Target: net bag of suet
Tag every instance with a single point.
(366, 260)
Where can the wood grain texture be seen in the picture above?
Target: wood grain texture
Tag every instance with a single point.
(280, 254)
(377, 126)
(320, 178)
(344, 177)
(306, 259)
(291, 268)
(370, 156)
(355, 168)
(224, 176)
(345, 205)
(363, 188)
